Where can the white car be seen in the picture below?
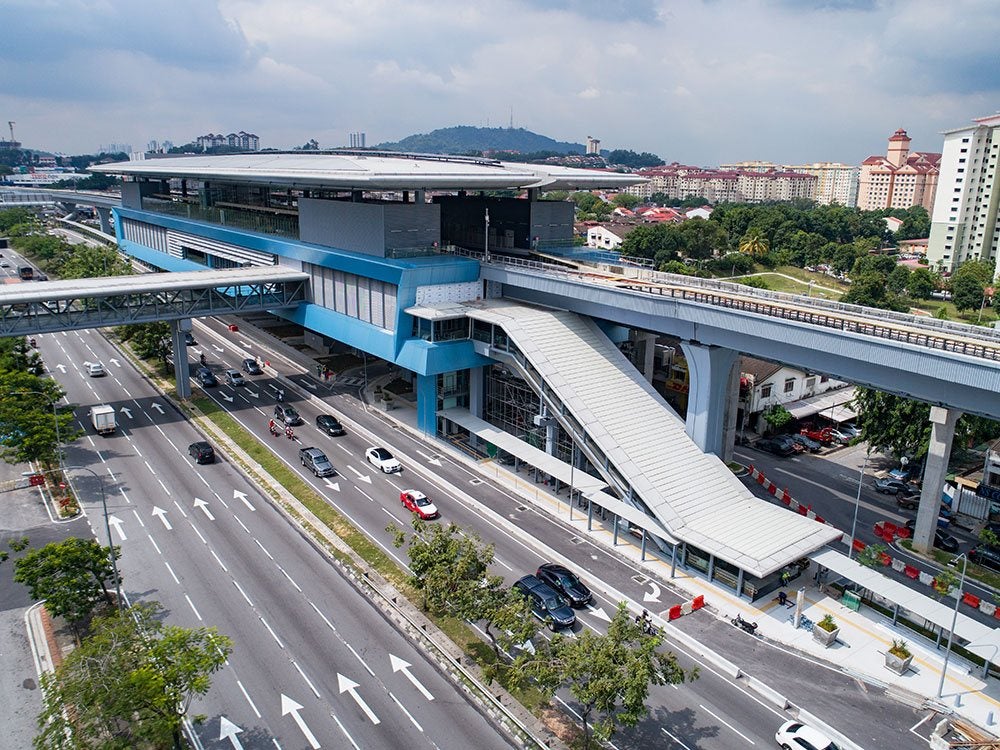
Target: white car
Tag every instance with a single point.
(794, 735)
(94, 369)
(382, 459)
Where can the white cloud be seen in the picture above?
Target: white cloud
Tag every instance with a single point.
(590, 93)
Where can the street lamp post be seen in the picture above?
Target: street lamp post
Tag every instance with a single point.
(857, 504)
(954, 619)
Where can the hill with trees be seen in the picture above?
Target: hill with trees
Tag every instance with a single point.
(463, 139)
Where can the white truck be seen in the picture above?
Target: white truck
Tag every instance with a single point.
(103, 419)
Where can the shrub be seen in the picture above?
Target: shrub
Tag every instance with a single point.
(828, 623)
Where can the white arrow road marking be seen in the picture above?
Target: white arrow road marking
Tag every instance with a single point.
(199, 503)
(288, 706)
(198, 351)
(218, 348)
(117, 523)
(308, 385)
(654, 595)
(126, 412)
(115, 362)
(332, 485)
(345, 685)
(163, 517)
(228, 731)
(255, 394)
(237, 495)
(360, 476)
(599, 613)
(398, 665)
(245, 344)
(157, 407)
(225, 397)
(430, 459)
(61, 368)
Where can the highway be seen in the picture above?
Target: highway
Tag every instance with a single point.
(315, 664)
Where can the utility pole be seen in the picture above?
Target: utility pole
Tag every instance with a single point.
(10, 124)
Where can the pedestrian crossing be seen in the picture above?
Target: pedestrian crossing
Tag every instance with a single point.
(350, 381)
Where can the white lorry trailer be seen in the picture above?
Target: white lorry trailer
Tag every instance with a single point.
(103, 419)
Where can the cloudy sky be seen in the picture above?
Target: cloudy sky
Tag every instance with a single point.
(696, 81)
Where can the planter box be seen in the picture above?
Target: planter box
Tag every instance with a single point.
(897, 664)
(826, 637)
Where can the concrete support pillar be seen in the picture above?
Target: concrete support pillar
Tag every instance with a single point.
(935, 468)
(710, 369)
(427, 403)
(732, 410)
(420, 196)
(648, 343)
(551, 435)
(104, 215)
(182, 372)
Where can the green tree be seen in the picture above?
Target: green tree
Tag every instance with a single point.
(11, 217)
(72, 576)
(506, 615)
(871, 290)
(898, 281)
(608, 675)
(754, 245)
(921, 284)
(29, 431)
(88, 261)
(777, 416)
(149, 340)
(702, 239)
(130, 683)
(626, 200)
(626, 158)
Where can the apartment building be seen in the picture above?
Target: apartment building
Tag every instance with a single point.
(964, 220)
(835, 182)
(242, 140)
(900, 179)
(724, 186)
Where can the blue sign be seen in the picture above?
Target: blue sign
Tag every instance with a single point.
(985, 490)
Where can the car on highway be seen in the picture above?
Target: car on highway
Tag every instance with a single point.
(383, 460)
(4, 264)
(794, 735)
(806, 442)
(316, 461)
(330, 425)
(888, 486)
(775, 446)
(287, 415)
(235, 377)
(985, 555)
(250, 367)
(94, 369)
(566, 582)
(189, 339)
(417, 502)
(206, 377)
(202, 452)
(942, 539)
(546, 603)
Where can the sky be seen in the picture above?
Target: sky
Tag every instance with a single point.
(701, 82)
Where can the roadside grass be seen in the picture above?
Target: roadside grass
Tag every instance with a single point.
(934, 307)
(457, 630)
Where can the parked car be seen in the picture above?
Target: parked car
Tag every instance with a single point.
(806, 442)
(903, 473)
(891, 486)
(235, 377)
(909, 500)
(206, 377)
(329, 424)
(383, 460)
(794, 735)
(316, 461)
(417, 502)
(250, 367)
(820, 435)
(566, 583)
(546, 604)
(840, 436)
(94, 369)
(777, 447)
(942, 539)
(287, 415)
(985, 555)
(202, 452)
(850, 428)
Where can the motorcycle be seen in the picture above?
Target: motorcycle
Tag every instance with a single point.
(746, 625)
(33, 343)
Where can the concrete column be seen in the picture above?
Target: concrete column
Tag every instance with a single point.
(427, 403)
(732, 410)
(648, 353)
(710, 369)
(420, 196)
(935, 468)
(476, 398)
(104, 215)
(181, 370)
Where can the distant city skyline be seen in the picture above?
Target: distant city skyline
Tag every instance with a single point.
(700, 82)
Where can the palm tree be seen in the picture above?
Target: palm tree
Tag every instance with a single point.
(754, 245)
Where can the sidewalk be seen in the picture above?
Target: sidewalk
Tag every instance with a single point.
(864, 635)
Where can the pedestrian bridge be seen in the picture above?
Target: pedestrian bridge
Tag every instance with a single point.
(43, 307)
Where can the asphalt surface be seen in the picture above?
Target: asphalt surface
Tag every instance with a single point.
(313, 664)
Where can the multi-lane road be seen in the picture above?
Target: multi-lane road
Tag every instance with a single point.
(207, 544)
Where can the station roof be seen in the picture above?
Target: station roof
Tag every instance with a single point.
(371, 170)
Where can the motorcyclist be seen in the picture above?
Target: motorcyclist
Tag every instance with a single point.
(201, 358)
(32, 342)
(272, 427)
(289, 433)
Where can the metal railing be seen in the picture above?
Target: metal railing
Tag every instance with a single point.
(252, 221)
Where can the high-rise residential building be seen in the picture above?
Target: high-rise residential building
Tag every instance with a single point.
(900, 179)
(593, 145)
(964, 221)
(724, 186)
(243, 141)
(835, 182)
(357, 140)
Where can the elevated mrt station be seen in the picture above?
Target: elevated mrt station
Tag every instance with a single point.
(389, 245)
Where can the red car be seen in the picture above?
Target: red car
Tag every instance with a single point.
(416, 502)
(821, 435)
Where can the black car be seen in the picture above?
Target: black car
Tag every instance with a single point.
(546, 604)
(942, 540)
(206, 377)
(250, 367)
(566, 583)
(202, 452)
(775, 446)
(985, 555)
(329, 424)
(189, 339)
(806, 442)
